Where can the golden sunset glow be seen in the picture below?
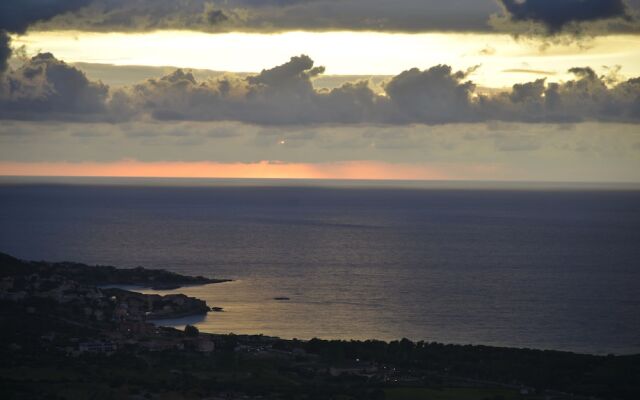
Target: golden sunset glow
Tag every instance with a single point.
(263, 170)
(502, 60)
(304, 89)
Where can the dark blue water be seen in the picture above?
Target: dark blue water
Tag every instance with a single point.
(544, 268)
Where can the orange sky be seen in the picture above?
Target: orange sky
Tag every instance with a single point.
(263, 169)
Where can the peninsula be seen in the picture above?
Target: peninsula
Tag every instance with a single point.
(102, 275)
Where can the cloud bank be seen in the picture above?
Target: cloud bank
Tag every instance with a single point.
(574, 17)
(494, 150)
(17, 16)
(323, 15)
(556, 14)
(47, 88)
(313, 15)
(280, 15)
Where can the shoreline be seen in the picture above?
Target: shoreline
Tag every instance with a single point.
(177, 281)
(64, 325)
(108, 291)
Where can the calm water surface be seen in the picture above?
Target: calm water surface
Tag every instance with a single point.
(543, 268)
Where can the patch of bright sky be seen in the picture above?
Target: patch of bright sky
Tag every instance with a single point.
(504, 60)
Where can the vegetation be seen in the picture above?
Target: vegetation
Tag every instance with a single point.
(191, 331)
(102, 275)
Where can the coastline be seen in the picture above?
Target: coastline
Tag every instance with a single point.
(149, 284)
(66, 323)
(111, 288)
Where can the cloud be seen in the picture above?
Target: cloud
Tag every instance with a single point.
(564, 16)
(585, 98)
(5, 50)
(313, 15)
(325, 15)
(317, 15)
(589, 151)
(558, 13)
(279, 15)
(280, 95)
(487, 51)
(529, 71)
(46, 88)
(215, 17)
(518, 142)
(435, 95)
(17, 16)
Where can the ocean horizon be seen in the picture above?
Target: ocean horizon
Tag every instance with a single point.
(517, 264)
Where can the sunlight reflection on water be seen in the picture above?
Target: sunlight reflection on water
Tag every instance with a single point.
(553, 269)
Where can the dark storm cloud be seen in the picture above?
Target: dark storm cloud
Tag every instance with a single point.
(5, 50)
(17, 15)
(280, 15)
(314, 15)
(555, 15)
(285, 95)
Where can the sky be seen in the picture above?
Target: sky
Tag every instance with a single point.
(522, 90)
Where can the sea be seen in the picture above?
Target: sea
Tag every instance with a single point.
(535, 265)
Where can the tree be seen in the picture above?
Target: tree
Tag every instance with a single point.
(191, 331)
